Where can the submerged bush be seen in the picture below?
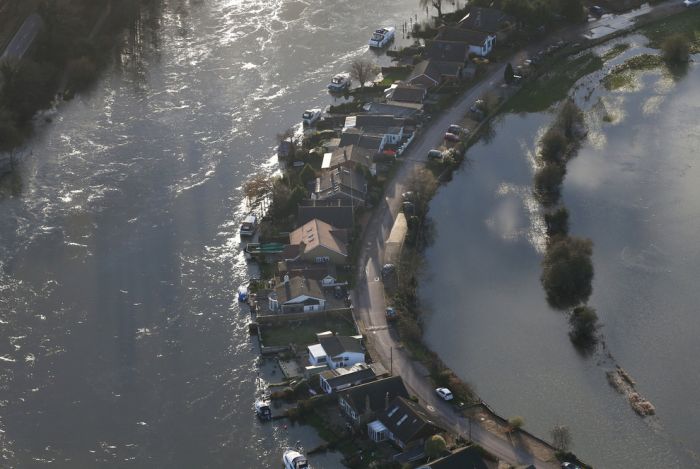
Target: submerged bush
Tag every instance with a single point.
(567, 271)
(676, 49)
(584, 325)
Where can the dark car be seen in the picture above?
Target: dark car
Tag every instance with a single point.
(450, 137)
(596, 11)
(455, 129)
(338, 292)
(434, 155)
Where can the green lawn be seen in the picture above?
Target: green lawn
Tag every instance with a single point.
(554, 84)
(687, 22)
(303, 332)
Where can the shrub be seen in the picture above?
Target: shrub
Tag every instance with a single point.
(548, 182)
(516, 422)
(676, 49)
(554, 145)
(567, 271)
(81, 72)
(435, 446)
(557, 222)
(584, 324)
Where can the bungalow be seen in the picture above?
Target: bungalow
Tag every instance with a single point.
(320, 242)
(351, 156)
(443, 50)
(479, 42)
(469, 457)
(324, 273)
(407, 93)
(341, 378)
(488, 20)
(430, 73)
(361, 403)
(336, 351)
(361, 139)
(334, 212)
(341, 184)
(296, 295)
(404, 423)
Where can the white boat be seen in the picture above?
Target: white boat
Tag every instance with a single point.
(339, 83)
(294, 460)
(310, 116)
(263, 410)
(249, 225)
(382, 37)
(243, 293)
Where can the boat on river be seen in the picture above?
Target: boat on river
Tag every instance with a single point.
(263, 410)
(339, 83)
(293, 459)
(249, 225)
(382, 37)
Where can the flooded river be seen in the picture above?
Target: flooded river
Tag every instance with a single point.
(122, 343)
(634, 190)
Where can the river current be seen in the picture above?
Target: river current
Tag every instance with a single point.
(122, 342)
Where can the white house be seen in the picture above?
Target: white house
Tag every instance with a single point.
(342, 378)
(337, 351)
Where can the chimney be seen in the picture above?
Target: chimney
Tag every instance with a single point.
(386, 401)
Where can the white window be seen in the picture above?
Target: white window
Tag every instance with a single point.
(322, 259)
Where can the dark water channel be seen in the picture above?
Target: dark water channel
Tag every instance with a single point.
(634, 189)
(122, 343)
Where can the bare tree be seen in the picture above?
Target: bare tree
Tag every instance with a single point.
(362, 70)
(561, 437)
(437, 4)
(258, 187)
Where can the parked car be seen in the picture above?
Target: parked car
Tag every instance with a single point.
(408, 208)
(690, 3)
(596, 11)
(338, 292)
(391, 314)
(388, 269)
(444, 393)
(455, 129)
(569, 465)
(450, 137)
(407, 196)
(434, 155)
(478, 106)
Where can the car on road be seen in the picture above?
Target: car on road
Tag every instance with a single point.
(434, 155)
(569, 465)
(408, 208)
(444, 393)
(450, 137)
(407, 196)
(691, 3)
(455, 129)
(391, 314)
(339, 293)
(596, 11)
(388, 270)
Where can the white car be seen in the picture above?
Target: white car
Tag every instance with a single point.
(311, 116)
(445, 394)
(690, 3)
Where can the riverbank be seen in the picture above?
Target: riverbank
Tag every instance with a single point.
(72, 44)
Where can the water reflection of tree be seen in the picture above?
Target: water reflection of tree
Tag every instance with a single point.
(142, 43)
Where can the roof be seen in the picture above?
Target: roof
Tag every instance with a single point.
(317, 233)
(342, 376)
(338, 344)
(407, 421)
(462, 35)
(350, 153)
(448, 51)
(436, 69)
(359, 138)
(408, 93)
(485, 19)
(376, 391)
(296, 287)
(342, 179)
(316, 350)
(333, 212)
(463, 458)
(364, 121)
(306, 269)
(397, 110)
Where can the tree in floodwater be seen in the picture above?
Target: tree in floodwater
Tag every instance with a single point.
(557, 222)
(567, 271)
(676, 49)
(584, 325)
(561, 438)
(437, 4)
(570, 120)
(363, 70)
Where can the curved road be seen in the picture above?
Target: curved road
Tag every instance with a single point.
(368, 296)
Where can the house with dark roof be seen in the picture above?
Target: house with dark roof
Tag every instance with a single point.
(342, 378)
(407, 93)
(430, 73)
(350, 156)
(488, 20)
(341, 184)
(337, 213)
(444, 50)
(475, 41)
(404, 423)
(361, 403)
(324, 273)
(469, 457)
(297, 295)
(361, 139)
(396, 108)
(336, 351)
(320, 242)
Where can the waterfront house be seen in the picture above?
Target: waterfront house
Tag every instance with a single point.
(297, 295)
(474, 42)
(336, 351)
(469, 457)
(404, 423)
(407, 93)
(350, 156)
(488, 20)
(361, 403)
(361, 139)
(324, 273)
(396, 108)
(341, 184)
(430, 73)
(342, 378)
(337, 213)
(320, 242)
(447, 50)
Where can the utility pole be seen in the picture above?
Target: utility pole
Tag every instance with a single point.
(391, 361)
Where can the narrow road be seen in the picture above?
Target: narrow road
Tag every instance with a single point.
(368, 296)
(23, 39)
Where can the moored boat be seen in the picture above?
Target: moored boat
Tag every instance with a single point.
(294, 460)
(263, 410)
(382, 37)
(339, 83)
(249, 225)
